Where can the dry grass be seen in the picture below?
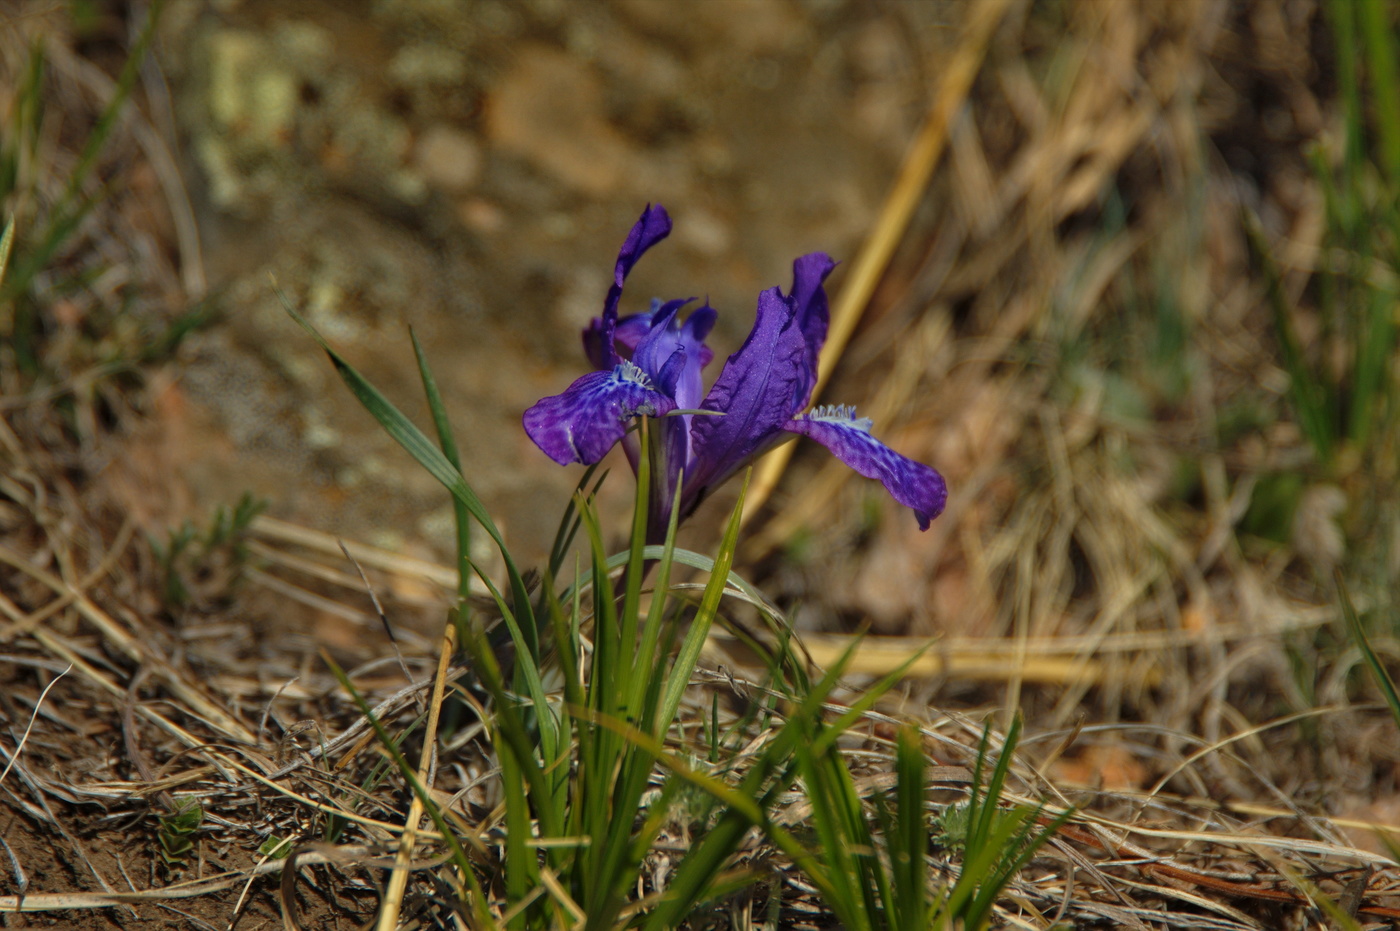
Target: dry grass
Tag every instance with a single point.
(1182, 688)
(151, 714)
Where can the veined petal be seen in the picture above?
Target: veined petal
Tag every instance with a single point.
(766, 382)
(911, 483)
(653, 226)
(588, 419)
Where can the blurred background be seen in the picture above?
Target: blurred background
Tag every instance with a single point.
(1141, 314)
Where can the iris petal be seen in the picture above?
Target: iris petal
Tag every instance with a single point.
(693, 332)
(766, 382)
(632, 329)
(911, 483)
(588, 419)
(660, 353)
(653, 226)
(810, 308)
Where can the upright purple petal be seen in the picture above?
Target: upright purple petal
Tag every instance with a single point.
(673, 354)
(693, 333)
(754, 396)
(809, 296)
(911, 483)
(653, 226)
(667, 334)
(588, 419)
(765, 383)
(593, 347)
(659, 353)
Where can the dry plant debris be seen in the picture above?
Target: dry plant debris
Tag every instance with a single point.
(116, 720)
(168, 762)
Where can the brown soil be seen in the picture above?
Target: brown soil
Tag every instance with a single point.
(469, 172)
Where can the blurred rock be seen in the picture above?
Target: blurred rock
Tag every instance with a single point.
(1317, 535)
(705, 233)
(448, 158)
(548, 110)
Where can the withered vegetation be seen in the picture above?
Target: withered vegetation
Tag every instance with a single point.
(1072, 327)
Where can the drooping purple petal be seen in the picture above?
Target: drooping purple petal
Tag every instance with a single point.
(588, 419)
(653, 226)
(765, 383)
(911, 483)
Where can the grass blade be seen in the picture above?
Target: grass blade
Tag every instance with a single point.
(7, 242)
(1378, 34)
(569, 522)
(26, 118)
(684, 665)
(408, 436)
(69, 210)
(410, 775)
(1309, 393)
(1363, 643)
(908, 834)
(461, 517)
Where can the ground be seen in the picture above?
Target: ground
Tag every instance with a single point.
(1074, 327)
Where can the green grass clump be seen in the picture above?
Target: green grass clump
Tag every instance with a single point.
(190, 556)
(177, 829)
(874, 873)
(66, 221)
(55, 223)
(595, 763)
(1342, 380)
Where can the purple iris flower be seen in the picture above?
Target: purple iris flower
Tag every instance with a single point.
(649, 364)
